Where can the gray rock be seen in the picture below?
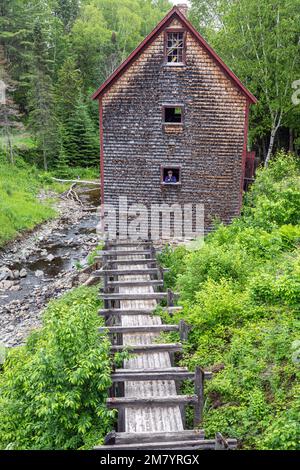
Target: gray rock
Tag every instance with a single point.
(6, 273)
(39, 273)
(15, 288)
(23, 272)
(16, 273)
(50, 257)
(5, 285)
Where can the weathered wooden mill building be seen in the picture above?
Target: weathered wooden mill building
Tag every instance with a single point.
(174, 124)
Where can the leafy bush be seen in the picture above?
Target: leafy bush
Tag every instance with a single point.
(241, 296)
(53, 389)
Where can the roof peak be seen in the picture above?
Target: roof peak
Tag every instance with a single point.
(175, 11)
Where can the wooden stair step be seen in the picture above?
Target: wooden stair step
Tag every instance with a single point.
(148, 348)
(127, 375)
(128, 243)
(135, 402)
(134, 296)
(140, 311)
(139, 329)
(131, 262)
(150, 282)
(111, 253)
(127, 272)
(143, 437)
(200, 444)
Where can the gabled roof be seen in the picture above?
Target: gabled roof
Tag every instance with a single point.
(175, 12)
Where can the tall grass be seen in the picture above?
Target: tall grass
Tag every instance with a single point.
(20, 208)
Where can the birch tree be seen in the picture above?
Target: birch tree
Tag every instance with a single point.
(261, 42)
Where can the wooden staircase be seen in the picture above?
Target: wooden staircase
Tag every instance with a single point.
(151, 412)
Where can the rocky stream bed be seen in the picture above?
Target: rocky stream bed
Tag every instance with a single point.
(42, 265)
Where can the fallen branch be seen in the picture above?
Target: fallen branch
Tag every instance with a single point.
(95, 183)
(71, 194)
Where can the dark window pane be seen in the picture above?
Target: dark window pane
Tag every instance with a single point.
(173, 114)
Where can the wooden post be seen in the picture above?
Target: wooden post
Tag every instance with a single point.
(170, 298)
(160, 274)
(199, 389)
(183, 330)
(110, 438)
(221, 443)
(152, 252)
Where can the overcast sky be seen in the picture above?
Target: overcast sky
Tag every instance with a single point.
(180, 1)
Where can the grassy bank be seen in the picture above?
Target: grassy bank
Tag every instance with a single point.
(20, 208)
(53, 389)
(241, 296)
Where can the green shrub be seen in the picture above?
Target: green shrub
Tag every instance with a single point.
(241, 297)
(53, 389)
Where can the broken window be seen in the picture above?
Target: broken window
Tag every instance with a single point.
(172, 114)
(175, 47)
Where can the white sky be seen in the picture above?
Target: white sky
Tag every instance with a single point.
(175, 2)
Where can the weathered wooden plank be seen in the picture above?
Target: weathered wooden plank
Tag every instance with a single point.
(111, 253)
(167, 369)
(135, 296)
(172, 373)
(199, 392)
(126, 243)
(131, 262)
(144, 437)
(201, 444)
(145, 376)
(139, 311)
(146, 348)
(134, 283)
(139, 329)
(126, 272)
(136, 402)
(221, 442)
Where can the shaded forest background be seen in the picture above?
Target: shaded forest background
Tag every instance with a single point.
(54, 53)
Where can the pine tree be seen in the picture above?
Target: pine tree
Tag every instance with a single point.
(83, 136)
(9, 111)
(80, 141)
(67, 11)
(42, 118)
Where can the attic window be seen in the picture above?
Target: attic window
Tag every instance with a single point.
(173, 115)
(175, 47)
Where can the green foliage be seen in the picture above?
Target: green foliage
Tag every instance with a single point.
(93, 254)
(19, 207)
(241, 295)
(58, 52)
(53, 389)
(260, 42)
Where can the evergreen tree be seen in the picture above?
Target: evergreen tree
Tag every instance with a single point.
(9, 112)
(42, 118)
(67, 11)
(80, 142)
(82, 136)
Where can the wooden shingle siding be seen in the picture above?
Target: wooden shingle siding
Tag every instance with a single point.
(208, 147)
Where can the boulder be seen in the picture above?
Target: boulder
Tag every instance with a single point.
(16, 274)
(5, 285)
(6, 273)
(39, 273)
(23, 272)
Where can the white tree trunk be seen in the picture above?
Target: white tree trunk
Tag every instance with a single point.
(271, 145)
